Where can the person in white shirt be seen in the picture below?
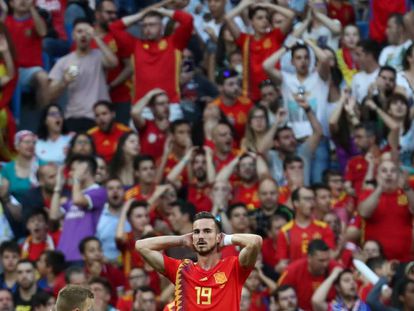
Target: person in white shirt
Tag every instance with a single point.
(392, 55)
(366, 57)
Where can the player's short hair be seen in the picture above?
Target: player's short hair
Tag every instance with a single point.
(317, 245)
(84, 241)
(110, 106)
(208, 215)
(72, 297)
(136, 204)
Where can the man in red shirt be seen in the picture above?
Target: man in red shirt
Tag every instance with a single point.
(306, 274)
(152, 133)
(27, 28)
(250, 169)
(211, 283)
(231, 103)
(107, 132)
(387, 212)
(144, 167)
(259, 46)
(341, 10)
(118, 78)
(295, 236)
(156, 59)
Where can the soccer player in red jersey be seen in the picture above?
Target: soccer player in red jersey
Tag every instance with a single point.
(307, 274)
(211, 283)
(152, 133)
(231, 102)
(295, 236)
(107, 132)
(259, 46)
(387, 207)
(156, 59)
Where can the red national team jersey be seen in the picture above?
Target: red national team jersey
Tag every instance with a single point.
(152, 140)
(172, 161)
(297, 275)
(390, 224)
(157, 64)
(220, 163)
(344, 12)
(136, 194)
(237, 114)
(106, 143)
(122, 92)
(293, 241)
(27, 43)
(284, 194)
(355, 172)
(216, 289)
(246, 195)
(130, 256)
(254, 54)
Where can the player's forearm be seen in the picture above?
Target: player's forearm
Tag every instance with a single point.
(247, 239)
(288, 13)
(109, 59)
(159, 243)
(321, 293)
(225, 172)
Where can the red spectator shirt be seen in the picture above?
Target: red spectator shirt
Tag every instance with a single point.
(122, 92)
(246, 195)
(236, 114)
(293, 241)
(390, 224)
(284, 194)
(27, 43)
(130, 257)
(220, 163)
(152, 139)
(106, 143)
(297, 275)
(344, 12)
(255, 52)
(355, 172)
(157, 64)
(216, 289)
(136, 194)
(269, 249)
(200, 197)
(172, 161)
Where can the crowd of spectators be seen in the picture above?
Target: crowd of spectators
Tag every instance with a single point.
(291, 119)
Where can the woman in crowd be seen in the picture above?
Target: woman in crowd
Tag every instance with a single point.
(53, 138)
(256, 127)
(346, 54)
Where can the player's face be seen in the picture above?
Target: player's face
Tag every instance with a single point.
(205, 236)
(104, 118)
(300, 61)
(151, 27)
(347, 286)
(288, 300)
(115, 192)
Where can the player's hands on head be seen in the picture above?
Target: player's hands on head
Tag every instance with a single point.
(187, 240)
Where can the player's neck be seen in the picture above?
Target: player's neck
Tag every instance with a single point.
(208, 262)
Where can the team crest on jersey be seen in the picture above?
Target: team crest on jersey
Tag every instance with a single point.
(163, 44)
(220, 277)
(267, 44)
(402, 199)
(145, 46)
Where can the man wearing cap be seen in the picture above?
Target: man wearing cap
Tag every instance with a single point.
(231, 102)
